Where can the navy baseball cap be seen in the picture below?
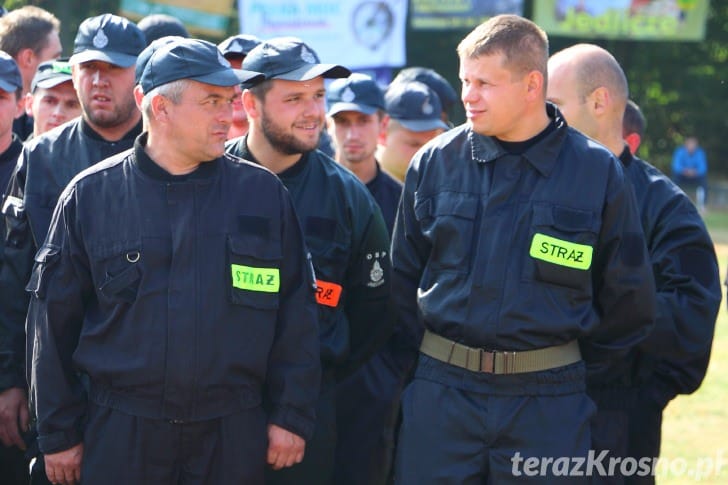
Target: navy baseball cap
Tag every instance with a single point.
(158, 25)
(238, 45)
(447, 94)
(51, 74)
(415, 106)
(357, 92)
(289, 58)
(10, 80)
(146, 54)
(194, 59)
(108, 38)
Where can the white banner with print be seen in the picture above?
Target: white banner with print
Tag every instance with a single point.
(354, 33)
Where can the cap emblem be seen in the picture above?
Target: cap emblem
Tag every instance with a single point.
(348, 95)
(427, 108)
(307, 55)
(100, 40)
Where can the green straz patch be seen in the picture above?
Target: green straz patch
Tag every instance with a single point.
(266, 280)
(560, 252)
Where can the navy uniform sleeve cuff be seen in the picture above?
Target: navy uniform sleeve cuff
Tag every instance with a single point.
(58, 441)
(294, 421)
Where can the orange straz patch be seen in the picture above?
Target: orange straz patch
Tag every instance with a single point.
(327, 293)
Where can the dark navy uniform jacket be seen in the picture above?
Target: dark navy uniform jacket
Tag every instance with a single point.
(674, 357)
(547, 251)
(387, 191)
(349, 245)
(181, 298)
(45, 166)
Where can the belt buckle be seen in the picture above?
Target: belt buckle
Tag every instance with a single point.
(487, 361)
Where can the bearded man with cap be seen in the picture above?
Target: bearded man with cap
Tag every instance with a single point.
(52, 100)
(102, 64)
(187, 302)
(342, 224)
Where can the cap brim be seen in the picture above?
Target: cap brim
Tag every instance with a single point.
(229, 77)
(115, 58)
(308, 72)
(52, 82)
(7, 87)
(359, 108)
(423, 125)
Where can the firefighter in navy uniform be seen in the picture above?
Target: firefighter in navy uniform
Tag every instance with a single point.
(175, 280)
(342, 224)
(518, 253)
(104, 53)
(366, 401)
(590, 88)
(13, 403)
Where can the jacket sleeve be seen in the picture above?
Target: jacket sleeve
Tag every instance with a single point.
(410, 251)
(17, 262)
(294, 366)
(60, 285)
(688, 291)
(624, 288)
(367, 285)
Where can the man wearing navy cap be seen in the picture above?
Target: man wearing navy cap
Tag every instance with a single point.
(187, 302)
(102, 64)
(158, 25)
(235, 48)
(342, 224)
(367, 401)
(414, 119)
(13, 404)
(435, 81)
(52, 100)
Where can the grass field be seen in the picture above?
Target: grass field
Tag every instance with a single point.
(695, 427)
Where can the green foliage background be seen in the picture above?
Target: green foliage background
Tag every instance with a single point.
(682, 87)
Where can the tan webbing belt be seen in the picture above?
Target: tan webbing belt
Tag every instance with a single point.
(499, 362)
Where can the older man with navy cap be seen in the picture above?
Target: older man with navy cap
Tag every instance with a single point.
(342, 224)
(104, 53)
(174, 278)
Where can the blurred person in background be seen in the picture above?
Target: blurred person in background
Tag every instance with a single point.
(31, 35)
(414, 119)
(234, 49)
(52, 100)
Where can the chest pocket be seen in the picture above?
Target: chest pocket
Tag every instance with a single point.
(117, 271)
(447, 221)
(253, 272)
(561, 246)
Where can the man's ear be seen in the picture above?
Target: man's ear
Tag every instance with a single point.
(250, 103)
(25, 104)
(383, 128)
(160, 107)
(633, 141)
(534, 85)
(138, 96)
(599, 101)
(25, 58)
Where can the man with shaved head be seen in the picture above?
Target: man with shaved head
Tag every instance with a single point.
(590, 88)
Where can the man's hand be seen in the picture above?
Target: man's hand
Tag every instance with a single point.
(284, 448)
(64, 467)
(14, 416)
